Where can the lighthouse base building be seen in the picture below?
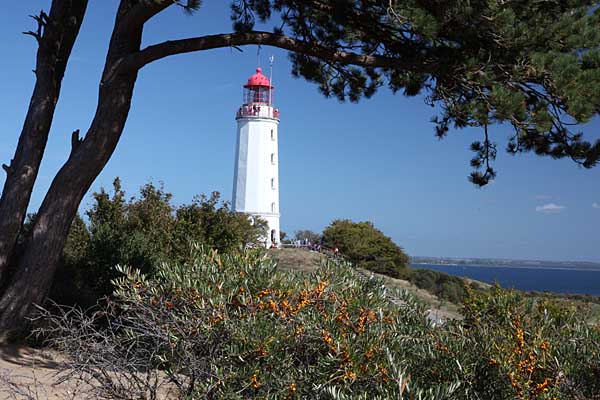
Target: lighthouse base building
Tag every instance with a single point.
(256, 174)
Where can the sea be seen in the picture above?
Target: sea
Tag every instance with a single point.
(571, 281)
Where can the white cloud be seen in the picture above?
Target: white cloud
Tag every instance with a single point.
(595, 205)
(550, 208)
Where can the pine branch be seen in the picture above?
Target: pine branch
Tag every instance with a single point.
(158, 51)
(189, 6)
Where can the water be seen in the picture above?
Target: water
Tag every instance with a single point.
(538, 279)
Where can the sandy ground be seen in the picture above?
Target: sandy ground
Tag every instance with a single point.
(29, 373)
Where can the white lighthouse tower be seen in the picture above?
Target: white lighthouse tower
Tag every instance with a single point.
(256, 176)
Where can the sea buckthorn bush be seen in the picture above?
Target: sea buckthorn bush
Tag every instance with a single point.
(518, 347)
(541, 349)
(231, 326)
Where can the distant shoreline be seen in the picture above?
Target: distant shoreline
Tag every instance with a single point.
(516, 266)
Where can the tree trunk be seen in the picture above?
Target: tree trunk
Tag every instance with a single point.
(33, 278)
(56, 36)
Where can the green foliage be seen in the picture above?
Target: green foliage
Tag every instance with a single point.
(250, 331)
(213, 224)
(444, 286)
(78, 279)
(142, 232)
(366, 247)
(534, 349)
(233, 326)
(530, 65)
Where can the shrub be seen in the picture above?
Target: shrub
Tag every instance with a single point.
(143, 232)
(522, 348)
(211, 222)
(366, 247)
(232, 326)
(448, 287)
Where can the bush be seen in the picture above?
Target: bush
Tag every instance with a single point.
(447, 287)
(366, 247)
(522, 348)
(143, 232)
(232, 326)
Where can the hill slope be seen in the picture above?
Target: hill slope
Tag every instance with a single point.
(302, 260)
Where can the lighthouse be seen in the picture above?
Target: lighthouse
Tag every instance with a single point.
(256, 175)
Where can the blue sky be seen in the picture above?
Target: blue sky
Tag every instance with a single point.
(376, 160)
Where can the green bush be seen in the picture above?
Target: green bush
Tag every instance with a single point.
(366, 247)
(447, 287)
(232, 326)
(143, 232)
(517, 347)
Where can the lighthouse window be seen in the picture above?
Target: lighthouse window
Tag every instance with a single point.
(273, 207)
(273, 158)
(272, 183)
(272, 135)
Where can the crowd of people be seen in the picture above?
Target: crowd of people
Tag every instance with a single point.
(308, 245)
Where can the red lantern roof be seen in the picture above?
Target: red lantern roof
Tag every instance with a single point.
(258, 79)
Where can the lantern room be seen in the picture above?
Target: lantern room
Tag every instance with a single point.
(258, 98)
(258, 90)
